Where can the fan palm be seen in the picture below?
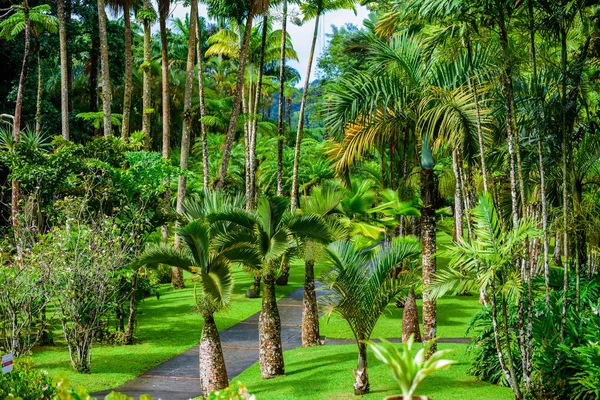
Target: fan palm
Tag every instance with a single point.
(212, 272)
(261, 240)
(362, 285)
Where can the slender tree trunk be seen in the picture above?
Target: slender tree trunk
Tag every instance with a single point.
(410, 318)
(428, 230)
(310, 311)
(361, 376)
(458, 209)
(256, 106)
(235, 111)
(18, 111)
(507, 93)
(563, 129)
(213, 374)
(64, 70)
(269, 329)
(203, 133)
(166, 92)
(38, 101)
(187, 123)
(281, 114)
(132, 301)
(510, 363)
(299, 134)
(106, 92)
(147, 71)
(128, 72)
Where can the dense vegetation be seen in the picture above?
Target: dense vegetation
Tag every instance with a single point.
(446, 148)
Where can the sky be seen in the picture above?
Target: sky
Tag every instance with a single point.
(302, 35)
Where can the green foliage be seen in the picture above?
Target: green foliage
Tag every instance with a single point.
(235, 391)
(26, 382)
(407, 370)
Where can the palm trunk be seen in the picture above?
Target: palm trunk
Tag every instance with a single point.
(128, 72)
(235, 111)
(281, 115)
(18, 110)
(458, 209)
(507, 93)
(410, 318)
(146, 94)
(269, 328)
(510, 362)
(187, 123)
(563, 128)
(38, 100)
(361, 376)
(132, 301)
(255, 110)
(213, 374)
(294, 195)
(64, 70)
(106, 93)
(310, 311)
(204, 139)
(428, 230)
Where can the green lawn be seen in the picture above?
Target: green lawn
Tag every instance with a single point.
(167, 327)
(325, 373)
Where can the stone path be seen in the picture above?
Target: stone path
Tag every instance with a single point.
(178, 378)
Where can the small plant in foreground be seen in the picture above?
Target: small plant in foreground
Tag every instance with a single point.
(407, 370)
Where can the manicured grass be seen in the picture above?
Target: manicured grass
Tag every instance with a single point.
(453, 312)
(166, 327)
(325, 373)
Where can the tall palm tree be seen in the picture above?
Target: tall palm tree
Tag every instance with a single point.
(201, 95)
(362, 285)
(147, 16)
(311, 9)
(261, 240)
(254, 7)
(106, 84)
(126, 7)
(212, 272)
(281, 101)
(64, 70)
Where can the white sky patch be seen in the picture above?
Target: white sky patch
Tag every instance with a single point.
(302, 35)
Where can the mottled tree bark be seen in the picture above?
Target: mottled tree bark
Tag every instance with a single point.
(269, 329)
(458, 204)
(213, 374)
(410, 318)
(428, 230)
(64, 70)
(203, 133)
(128, 72)
(310, 310)
(38, 100)
(281, 114)
(361, 377)
(147, 78)
(132, 301)
(106, 91)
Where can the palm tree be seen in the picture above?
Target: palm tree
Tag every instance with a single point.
(201, 95)
(64, 70)
(212, 272)
(106, 84)
(311, 9)
(324, 202)
(489, 263)
(362, 285)
(281, 101)
(261, 240)
(147, 16)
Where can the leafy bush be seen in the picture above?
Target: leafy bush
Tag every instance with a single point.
(235, 391)
(26, 382)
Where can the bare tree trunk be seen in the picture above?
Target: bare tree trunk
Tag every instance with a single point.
(106, 91)
(163, 8)
(281, 115)
(235, 111)
(132, 301)
(361, 376)
(64, 70)
(38, 101)
(310, 311)
(147, 71)
(428, 230)
(204, 139)
(128, 72)
(563, 128)
(410, 318)
(213, 374)
(458, 209)
(269, 328)
(187, 124)
(299, 134)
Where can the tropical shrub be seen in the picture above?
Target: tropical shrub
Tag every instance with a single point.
(26, 382)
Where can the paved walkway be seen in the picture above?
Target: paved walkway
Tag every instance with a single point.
(178, 378)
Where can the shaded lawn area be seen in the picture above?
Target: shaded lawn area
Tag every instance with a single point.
(166, 328)
(453, 312)
(325, 372)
